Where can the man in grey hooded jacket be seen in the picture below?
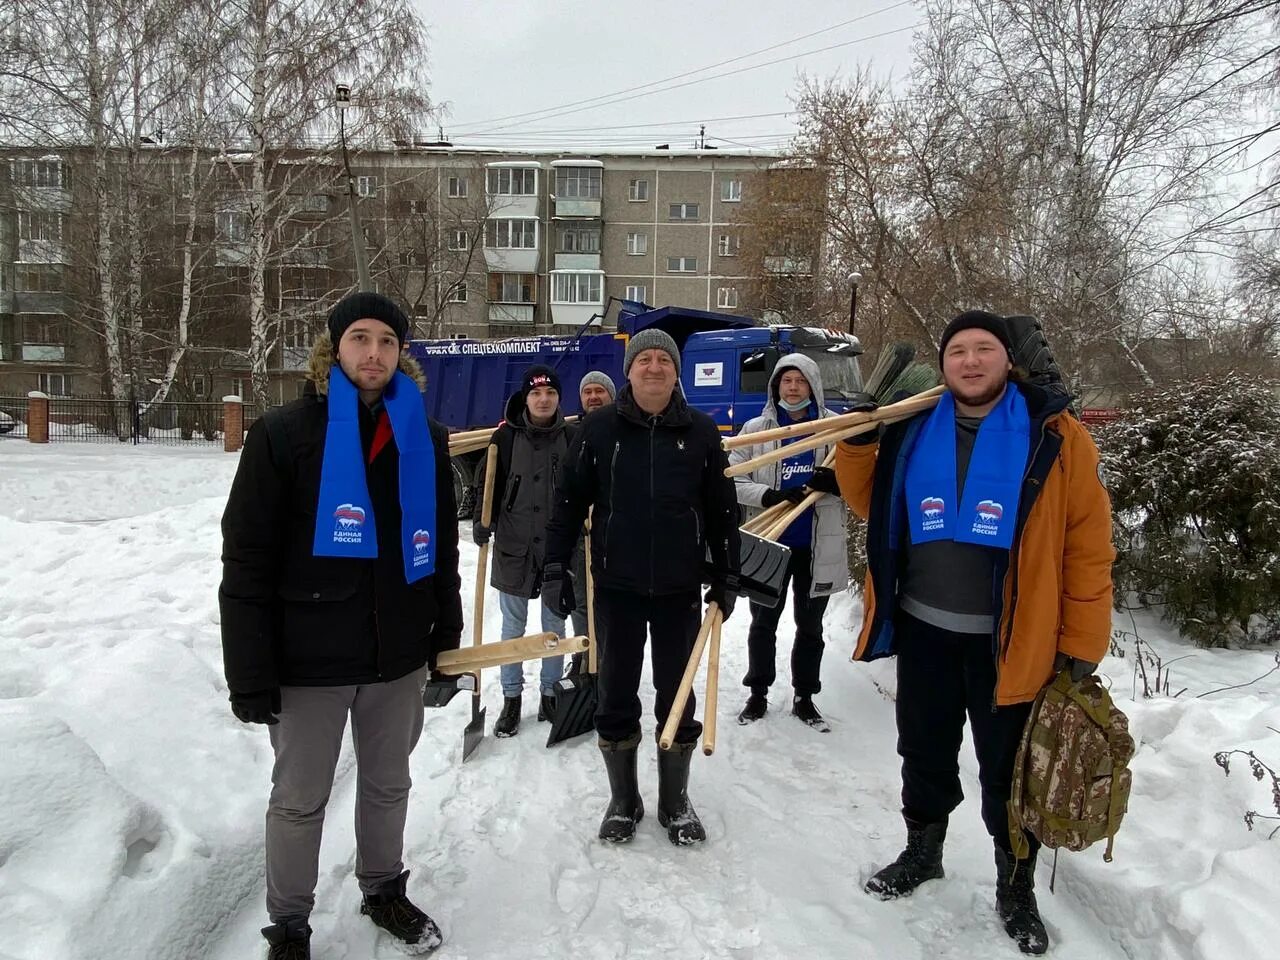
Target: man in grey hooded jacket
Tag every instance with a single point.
(819, 564)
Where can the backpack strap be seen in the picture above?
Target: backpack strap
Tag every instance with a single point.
(1017, 835)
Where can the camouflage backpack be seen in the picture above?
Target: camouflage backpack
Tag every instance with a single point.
(1071, 777)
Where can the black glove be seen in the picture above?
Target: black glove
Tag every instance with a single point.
(557, 589)
(824, 481)
(863, 403)
(261, 706)
(791, 494)
(723, 592)
(1079, 668)
(480, 534)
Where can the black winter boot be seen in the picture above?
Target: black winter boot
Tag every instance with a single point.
(675, 812)
(289, 940)
(803, 709)
(1016, 901)
(625, 809)
(757, 706)
(546, 707)
(508, 722)
(919, 861)
(390, 909)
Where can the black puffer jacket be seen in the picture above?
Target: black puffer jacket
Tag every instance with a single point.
(662, 501)
(292, 618)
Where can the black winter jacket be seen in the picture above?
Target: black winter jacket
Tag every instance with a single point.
(292, 618)
(663, 505)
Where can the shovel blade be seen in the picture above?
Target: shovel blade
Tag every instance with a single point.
(473, 733)
(576, 700)
(763, 573)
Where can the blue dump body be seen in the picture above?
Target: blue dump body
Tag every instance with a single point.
(725, 365)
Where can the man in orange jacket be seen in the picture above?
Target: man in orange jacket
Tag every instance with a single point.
(989, 566)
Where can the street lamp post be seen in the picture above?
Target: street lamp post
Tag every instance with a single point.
(342, 97)
(854, 277)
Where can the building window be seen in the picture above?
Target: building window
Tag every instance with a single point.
(40, 225)
(576, 288)
(512, 288)
(312, 203)
(297, 330)
(638, 191)
(730, 191)
(458, 240)
(512, 181)
(637, 244)
(578, 183)
(38, 277)
(682, 264)
(409, 258)
(199, 386)
(232, 226)
(238, 387)
(727, 297)
(682, 211)
(728, 245)
(39, 173)
(458, 187)
(54, 384)
(637, 293)
(457, 293)
(578, 240)
(511, 234)
(367, 186)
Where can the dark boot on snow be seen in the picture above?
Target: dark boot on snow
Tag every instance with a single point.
(803, 709)
(508, 722)
(675, 812)
(546, 707)
(1016, 901)
(625, 809)
(919, 861)
(288, 940)
(391, 910)
(757, 706)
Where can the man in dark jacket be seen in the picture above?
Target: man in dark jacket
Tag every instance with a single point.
(653, 469)
(531, 448)
(339, 588)
(595, 391)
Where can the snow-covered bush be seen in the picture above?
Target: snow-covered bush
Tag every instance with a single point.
(1194, 475)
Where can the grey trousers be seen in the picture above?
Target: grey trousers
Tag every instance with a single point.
(386, 722)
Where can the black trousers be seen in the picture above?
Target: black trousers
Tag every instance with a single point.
(623, 619)
(806, 651)
(941, 677)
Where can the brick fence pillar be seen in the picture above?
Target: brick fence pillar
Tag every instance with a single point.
(232, 424)
(37, 417)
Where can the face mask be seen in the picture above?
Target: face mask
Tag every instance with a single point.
(794, 407)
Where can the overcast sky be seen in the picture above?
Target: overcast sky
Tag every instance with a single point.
(519, 59)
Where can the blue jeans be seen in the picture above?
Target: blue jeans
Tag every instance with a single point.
(515, 612)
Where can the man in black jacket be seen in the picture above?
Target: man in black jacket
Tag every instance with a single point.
(339, 588)
(653, 468)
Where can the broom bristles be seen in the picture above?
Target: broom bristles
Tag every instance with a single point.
(893, 360)
(915, 378)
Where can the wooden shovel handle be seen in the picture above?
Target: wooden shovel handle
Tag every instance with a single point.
(482, 566)
(686, 682)
(593, 665)
(713, 689)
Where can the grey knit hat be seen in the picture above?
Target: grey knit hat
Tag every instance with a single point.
(650, 339)
(602, 378)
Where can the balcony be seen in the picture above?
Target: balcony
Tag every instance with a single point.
(576, 296)
(577, 261)
(794, 266)
(44, 353)
(576, 187)
(513, 313)
(511, 244)
(511, 188)
(42, 251)
(511, 260)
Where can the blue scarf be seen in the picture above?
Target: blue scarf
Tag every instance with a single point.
(988, 505)
(345, 525)
(796, 471)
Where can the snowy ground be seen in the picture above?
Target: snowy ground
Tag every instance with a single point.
(131, 801)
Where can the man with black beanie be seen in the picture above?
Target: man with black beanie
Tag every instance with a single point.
(339, 589)
(531, 443)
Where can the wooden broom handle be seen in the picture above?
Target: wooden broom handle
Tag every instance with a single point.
(593, 665)
(686, 682)
(713, 689)
(482, 568)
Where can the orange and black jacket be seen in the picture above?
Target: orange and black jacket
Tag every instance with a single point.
(1055, 594)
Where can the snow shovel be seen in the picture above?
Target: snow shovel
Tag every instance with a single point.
(763, 574)
(577, 696)
(473, 733)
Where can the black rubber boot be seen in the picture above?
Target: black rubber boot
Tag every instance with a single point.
(675, 812)
(288, 940)
(919, 861)
(508, 722)
(757, 706)
(1016, 901)
(625, 809)
(546, 707)
(803, 709)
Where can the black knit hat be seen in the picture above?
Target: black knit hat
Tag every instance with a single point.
(538, 376)
(976, 320)
(366, 306)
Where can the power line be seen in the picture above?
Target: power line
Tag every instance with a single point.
(689, 73)
(637, 126)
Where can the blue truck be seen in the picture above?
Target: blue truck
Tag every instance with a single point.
(725, 363)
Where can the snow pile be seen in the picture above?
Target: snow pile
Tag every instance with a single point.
(131, 801)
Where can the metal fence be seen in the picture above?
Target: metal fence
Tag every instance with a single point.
(13, 418)
(100, 420)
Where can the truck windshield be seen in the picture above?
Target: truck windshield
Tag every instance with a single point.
(838, 364)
